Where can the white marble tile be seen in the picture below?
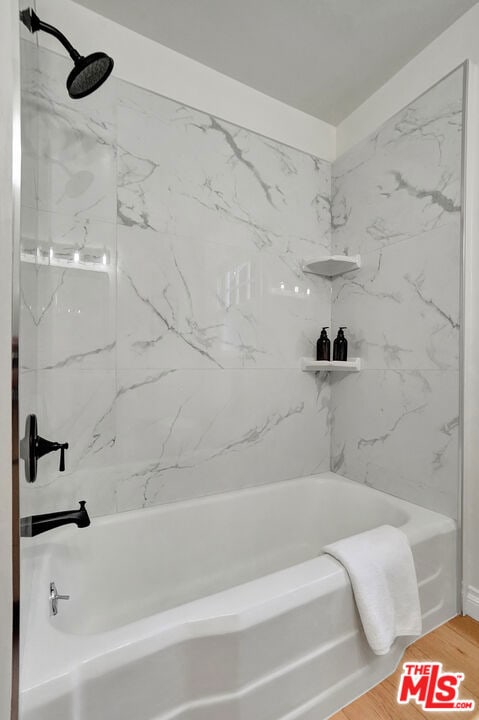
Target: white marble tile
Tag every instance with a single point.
(218, 430)
(171, 434)
(27, 396)
(396, 200)
(405, 179)
(69, 290)
(71, 406)
(187, 382)
(189, 174)
(29, 64)
(28, 344)
(70, 153)
(214, 223)
(402, 307)
(187, 304)
(398, 432)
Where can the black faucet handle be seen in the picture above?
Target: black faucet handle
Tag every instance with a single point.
(33, 447)
(63, 447)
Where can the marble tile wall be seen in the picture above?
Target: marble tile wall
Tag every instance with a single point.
(164, 306)
(396, 200)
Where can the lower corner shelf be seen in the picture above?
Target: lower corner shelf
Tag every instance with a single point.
(311, 365)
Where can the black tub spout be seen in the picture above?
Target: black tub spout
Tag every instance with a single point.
(36, 524)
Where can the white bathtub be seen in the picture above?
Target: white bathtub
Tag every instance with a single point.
(221, 608)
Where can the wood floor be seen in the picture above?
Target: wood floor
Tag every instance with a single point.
(456, 645)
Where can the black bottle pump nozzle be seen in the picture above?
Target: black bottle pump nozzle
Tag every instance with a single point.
(323, 346)
(340, 346)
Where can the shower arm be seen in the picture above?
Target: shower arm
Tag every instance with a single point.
(31, 20)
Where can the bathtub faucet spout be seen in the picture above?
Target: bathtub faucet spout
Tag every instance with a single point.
(36, 524)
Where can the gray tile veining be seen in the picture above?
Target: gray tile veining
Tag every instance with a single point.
(396, 200)
(406, 178)
(163, 337)
(397, 431)
(172, 370)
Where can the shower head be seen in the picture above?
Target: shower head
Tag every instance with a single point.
(88, 72)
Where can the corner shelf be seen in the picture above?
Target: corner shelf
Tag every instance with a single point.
(311, 365)
(332, 265)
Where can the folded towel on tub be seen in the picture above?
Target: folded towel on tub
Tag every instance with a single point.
(381, 568)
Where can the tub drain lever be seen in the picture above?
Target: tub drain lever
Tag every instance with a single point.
(54, 598)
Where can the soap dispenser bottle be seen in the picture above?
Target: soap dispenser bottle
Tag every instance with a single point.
(323, 346)
(340, 346)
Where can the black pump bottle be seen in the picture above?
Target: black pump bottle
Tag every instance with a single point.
(323, 346)
(340, 346)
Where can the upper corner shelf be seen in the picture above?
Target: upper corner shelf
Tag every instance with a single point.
(331, 265)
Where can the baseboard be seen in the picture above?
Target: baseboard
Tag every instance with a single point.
(471, 602)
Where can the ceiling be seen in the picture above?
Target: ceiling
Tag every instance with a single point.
(321, 56)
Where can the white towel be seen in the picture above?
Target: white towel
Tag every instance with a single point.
(381, 568)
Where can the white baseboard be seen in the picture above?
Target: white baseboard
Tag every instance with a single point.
(471, 602)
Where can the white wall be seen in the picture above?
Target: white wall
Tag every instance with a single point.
(155, 67)
(9, 65)
(458, 43)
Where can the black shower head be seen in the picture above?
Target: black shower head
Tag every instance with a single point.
(88, 72)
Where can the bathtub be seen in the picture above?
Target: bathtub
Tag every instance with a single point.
(219, 608)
